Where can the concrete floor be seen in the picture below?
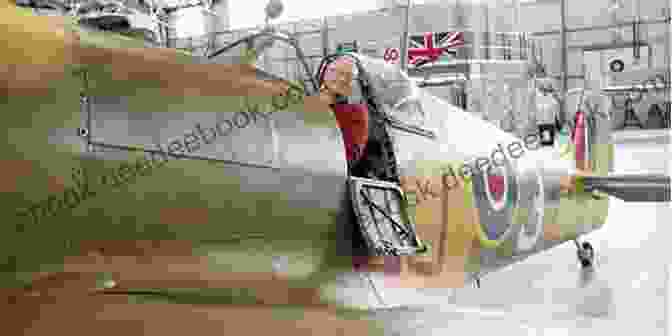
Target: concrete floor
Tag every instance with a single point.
(549, 295)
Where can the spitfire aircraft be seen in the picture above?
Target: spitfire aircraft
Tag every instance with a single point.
(148, 175)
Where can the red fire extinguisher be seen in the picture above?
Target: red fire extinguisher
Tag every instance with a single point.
(579, 140)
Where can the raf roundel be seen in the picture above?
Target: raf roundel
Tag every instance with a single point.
(495, 192)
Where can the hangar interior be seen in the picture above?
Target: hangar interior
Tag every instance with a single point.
(610, 56)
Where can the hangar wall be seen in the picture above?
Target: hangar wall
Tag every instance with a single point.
(591, 28)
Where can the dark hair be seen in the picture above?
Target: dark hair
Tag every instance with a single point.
(340, 99)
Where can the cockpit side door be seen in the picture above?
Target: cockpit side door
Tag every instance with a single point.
(414, 146)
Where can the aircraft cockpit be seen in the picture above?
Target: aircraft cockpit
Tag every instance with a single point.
(260, 43)
(383, 97)
(377, 158)
(392, 99)
(398, 95)
(369, 98)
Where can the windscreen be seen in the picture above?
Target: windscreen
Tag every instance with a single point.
(399, 94)
(272, 53)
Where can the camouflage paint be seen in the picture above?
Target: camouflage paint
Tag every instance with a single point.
(146, 208)
(147, 205)
(578, 213)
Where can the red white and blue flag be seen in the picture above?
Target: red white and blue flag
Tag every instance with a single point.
(427, 48)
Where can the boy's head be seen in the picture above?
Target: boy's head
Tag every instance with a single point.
(338, 76)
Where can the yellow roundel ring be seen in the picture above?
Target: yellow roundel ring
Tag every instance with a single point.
(483, 238)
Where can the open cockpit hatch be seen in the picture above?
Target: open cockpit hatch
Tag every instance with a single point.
(379, 203)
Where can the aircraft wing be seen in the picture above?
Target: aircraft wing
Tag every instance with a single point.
(630, 187)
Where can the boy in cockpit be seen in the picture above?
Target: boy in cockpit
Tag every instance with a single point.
(352, 118)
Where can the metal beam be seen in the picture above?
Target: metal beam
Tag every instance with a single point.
(563, 59)
(607, 46)
(619, 90)
(404, 38)
(568, 76)
(307, 32)
(287, 59)
(325, 37)
(604, 27)
(668, 35)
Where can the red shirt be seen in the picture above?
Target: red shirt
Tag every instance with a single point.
(353, 119)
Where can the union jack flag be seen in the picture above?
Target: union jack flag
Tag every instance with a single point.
(430, 46)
